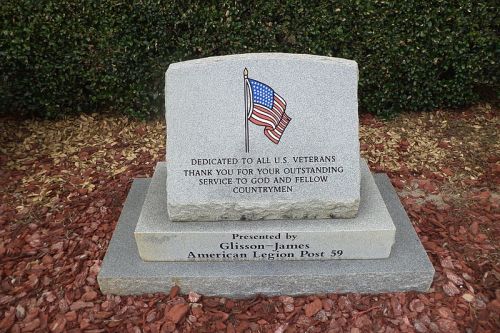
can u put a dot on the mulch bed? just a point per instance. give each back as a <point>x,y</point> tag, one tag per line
<point>64,183</point>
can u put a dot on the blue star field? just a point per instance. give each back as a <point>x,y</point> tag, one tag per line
<point>262,93</point>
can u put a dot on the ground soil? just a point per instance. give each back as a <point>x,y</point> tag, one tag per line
<point>64,183</point>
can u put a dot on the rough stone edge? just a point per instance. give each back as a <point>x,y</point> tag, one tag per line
<point>266,285</point>
<point>214,211</point>
<point>111,282</point>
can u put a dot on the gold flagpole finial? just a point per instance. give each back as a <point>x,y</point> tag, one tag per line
<point>245,72</point>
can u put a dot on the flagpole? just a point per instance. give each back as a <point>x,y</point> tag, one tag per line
<point>245,78</point>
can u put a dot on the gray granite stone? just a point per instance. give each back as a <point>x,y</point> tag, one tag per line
<point>210,174</point>
<point>369,235</point>
<point>123,272</point>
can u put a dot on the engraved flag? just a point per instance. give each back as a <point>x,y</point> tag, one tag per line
<point>267,108</point>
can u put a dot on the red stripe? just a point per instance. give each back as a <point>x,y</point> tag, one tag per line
<point>280,113</point>
<point>281,127</point>
<point>271,138</point>
<point>284,121</point>
<point>278,108</point>
<point>257,122</point>
<point>265,116</point>
<point>277,115</point>
<point>279,102</point>
<point>268,134</point>
<point>276,134</point>
<point>281,99</point>
<point>268,113</point>
<point>261,107</point>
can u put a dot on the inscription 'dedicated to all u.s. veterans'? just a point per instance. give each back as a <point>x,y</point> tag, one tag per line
<point>281,245</point>
<point>247,175</point>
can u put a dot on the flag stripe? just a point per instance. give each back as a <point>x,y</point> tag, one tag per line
<point>266,115</point>
<point>271,137</point>
<point>275,135</point>
<point>270,121</point>
<point>261,121</point>
<point>257,122</point>
<point>270,113</point>
<point>280,101</point>
<point>273,110</point>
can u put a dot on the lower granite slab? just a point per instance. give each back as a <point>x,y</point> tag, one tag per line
<point>369,235</point>
<point>124,273</point>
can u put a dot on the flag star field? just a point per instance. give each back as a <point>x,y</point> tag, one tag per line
<point>262,93</point>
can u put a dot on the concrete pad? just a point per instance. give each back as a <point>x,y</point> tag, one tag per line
<point>123,272</point>
<point>369,235</point>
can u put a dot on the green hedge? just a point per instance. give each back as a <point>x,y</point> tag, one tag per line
<point>59,57</point>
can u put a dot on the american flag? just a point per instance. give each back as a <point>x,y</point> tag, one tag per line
<point>267,109</point>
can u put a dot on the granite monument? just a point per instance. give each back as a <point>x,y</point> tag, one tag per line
<point>263,190</point>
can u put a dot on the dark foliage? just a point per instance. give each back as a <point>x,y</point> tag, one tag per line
<point>60,57</point>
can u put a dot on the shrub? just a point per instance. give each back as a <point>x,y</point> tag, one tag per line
<point>60,57</point>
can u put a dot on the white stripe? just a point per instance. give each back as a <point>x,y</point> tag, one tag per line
<point>279,111</point>
<point>264,107</point>
<point>270,111</point>
<point>284,122</point>
<point>269,114</point>
<point>277,117</point>
<point>271,134</point>
<point>281,107</point>
<point>262,120</point>
<point>275,122</point>
<point>277,106</point>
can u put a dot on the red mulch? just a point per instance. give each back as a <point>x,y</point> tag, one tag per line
<point>64,183</point>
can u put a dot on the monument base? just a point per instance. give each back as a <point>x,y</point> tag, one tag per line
<point>370,235</point>
<point>407,268</point>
